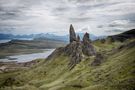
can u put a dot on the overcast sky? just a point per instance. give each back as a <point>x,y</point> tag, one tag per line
<point>99,17</point>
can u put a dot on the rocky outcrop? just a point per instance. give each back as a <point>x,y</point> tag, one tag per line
<point>86,38</point>
<point>98,59</point>
<point>76,49</point>
<point>72,34</point>
<point>88,48</point>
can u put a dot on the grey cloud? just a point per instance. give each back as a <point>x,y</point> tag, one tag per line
<point>7,13</point>
<point>93,6</point>
<point>129,16</point>
<point>100,26</point>
<point>61,9</point>
<point>115,25</point>
<point>84,29</point>
<point>114,31</point>
<point>81,1</point>
<point>79,19</point>
<point>43,14</point>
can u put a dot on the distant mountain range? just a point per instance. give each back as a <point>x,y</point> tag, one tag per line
<point>45,36</point>
<point>11,36</point>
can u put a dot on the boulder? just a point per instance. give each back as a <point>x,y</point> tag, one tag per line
<point>98,59</point>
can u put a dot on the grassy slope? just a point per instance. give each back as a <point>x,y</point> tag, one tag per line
<point>115,73</point>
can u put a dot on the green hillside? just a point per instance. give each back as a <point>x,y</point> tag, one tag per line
<point>116,72</point>
<point>81,65</point>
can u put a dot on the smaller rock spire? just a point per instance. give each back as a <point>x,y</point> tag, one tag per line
<point>86,38</point>
<point>72,34</point>
<point>88,48</point>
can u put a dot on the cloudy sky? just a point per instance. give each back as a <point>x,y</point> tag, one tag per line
<point>99,17</point>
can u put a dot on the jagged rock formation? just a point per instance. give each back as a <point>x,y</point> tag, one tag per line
<point>72,34</point>
<point>86,38</point>
<point>76,49</point>
<point>88,49</point>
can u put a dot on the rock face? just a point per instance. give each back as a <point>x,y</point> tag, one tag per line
<point>72,34</point>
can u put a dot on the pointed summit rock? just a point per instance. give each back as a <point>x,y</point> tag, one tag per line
<point>72,34</point>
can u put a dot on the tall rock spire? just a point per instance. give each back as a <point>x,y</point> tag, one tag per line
<point>72,34</point>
